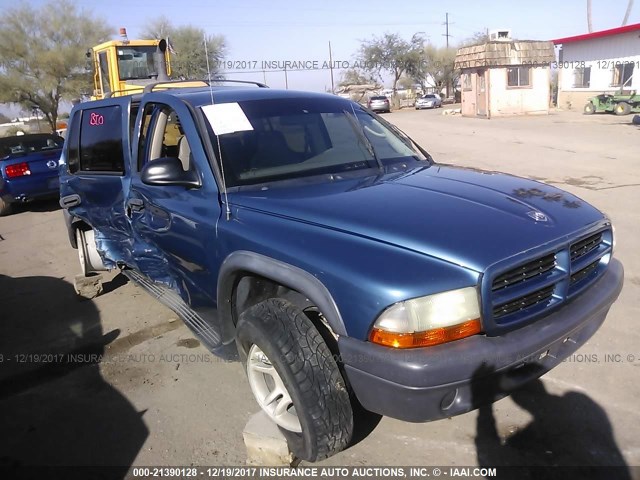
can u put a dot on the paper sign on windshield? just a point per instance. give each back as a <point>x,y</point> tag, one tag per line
<point>226,118</point>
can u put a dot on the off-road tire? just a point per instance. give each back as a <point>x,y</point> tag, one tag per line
<point>309,371</point>
<point>589,108</point>
<point>622,108</point>
<point>5,207</point>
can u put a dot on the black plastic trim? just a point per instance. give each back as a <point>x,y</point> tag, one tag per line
<point>287,275</point>
<point>412,384</point>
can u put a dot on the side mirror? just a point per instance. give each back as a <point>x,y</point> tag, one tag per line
<point>168,171</point>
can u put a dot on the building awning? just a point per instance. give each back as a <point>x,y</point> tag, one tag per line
<point>600,34</point>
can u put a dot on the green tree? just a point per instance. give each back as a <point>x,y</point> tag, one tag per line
<point>354,76</point>
<point>435,68</point>
<point>42,55</point>
<point>406,82</point>
<point>392,54</point>
<point>188,60</point>
<point>477,38</point>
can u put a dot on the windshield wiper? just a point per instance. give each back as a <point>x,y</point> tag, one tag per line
<point>362,136</point>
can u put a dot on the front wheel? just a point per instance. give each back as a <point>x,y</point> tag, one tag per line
<point>589,108</point>
<point>295,379</point>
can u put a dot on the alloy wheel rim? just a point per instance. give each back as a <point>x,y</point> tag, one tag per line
<point>270,392</point>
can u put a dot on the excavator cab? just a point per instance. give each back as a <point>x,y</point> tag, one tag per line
<point>124,67</point>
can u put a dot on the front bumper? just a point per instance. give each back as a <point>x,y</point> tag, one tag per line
<point>437,382</point>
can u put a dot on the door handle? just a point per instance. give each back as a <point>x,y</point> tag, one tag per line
<point>69,201</point>
<point>134,205</point>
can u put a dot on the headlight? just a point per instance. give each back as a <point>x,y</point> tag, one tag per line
<point>431,320</point>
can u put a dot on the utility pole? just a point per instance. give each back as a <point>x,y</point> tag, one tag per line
<point>286,80</point>
<point>446,22</point>
<point>446,34</point>
<point>331,68</point>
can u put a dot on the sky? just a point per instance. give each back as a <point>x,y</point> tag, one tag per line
<point>287,30</point>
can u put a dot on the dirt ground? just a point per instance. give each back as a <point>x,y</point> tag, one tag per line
<point>141,390</point>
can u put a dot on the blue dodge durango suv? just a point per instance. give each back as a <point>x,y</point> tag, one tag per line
<point>343,263</point>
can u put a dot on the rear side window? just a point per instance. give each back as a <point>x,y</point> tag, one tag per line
<point>101,140</point>
<point>73,153</point>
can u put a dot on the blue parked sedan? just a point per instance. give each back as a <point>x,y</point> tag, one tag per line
<point>28,168</point>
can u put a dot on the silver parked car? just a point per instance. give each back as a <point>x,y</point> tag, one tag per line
<point>430,100</point>
<point>379,104</point>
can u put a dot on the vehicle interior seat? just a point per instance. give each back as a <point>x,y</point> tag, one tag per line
<point>273,151</point>
<point>237,150</point>
<point>184,153</point>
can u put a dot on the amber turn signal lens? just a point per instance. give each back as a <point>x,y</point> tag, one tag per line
<point>428,338</point>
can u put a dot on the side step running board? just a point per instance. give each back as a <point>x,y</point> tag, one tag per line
<point>209,335</point>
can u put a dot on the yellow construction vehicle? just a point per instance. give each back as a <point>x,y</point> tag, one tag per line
<point>124,67</point>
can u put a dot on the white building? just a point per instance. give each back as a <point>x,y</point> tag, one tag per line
<point>505,77</point>
<point>598,62</point>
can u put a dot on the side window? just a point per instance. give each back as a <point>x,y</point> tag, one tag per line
<point>101,140</point>
<point>73,152</point>
<point>104,72</point>
<point>622,74</point>
<point>168,138</point>
<point>519,77</point>
<point>143,151</point>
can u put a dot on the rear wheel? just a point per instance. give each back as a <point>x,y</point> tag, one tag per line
<point>622,108</point>
<point>589,108</point>
<point>5,207</point>
<point>295,379</point>
<point>90,260</point>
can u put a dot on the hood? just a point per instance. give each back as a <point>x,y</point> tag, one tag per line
<point>465,216</point>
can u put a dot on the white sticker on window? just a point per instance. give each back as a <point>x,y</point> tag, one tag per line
<point>226,118</point>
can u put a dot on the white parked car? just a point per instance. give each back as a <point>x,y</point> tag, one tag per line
<point>430,100</point>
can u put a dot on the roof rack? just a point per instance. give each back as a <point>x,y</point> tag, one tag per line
<point>151,86</point>
<point>258,84</point>
<point>124,93</point>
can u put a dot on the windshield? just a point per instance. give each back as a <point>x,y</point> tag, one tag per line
<point>24,144</point>
<point>136,63</point>
<point>302,137</point>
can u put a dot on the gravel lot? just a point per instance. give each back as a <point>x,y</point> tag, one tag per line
<point>159,398</point>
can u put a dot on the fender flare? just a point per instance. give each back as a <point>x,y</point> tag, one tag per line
<point>243,261</point>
